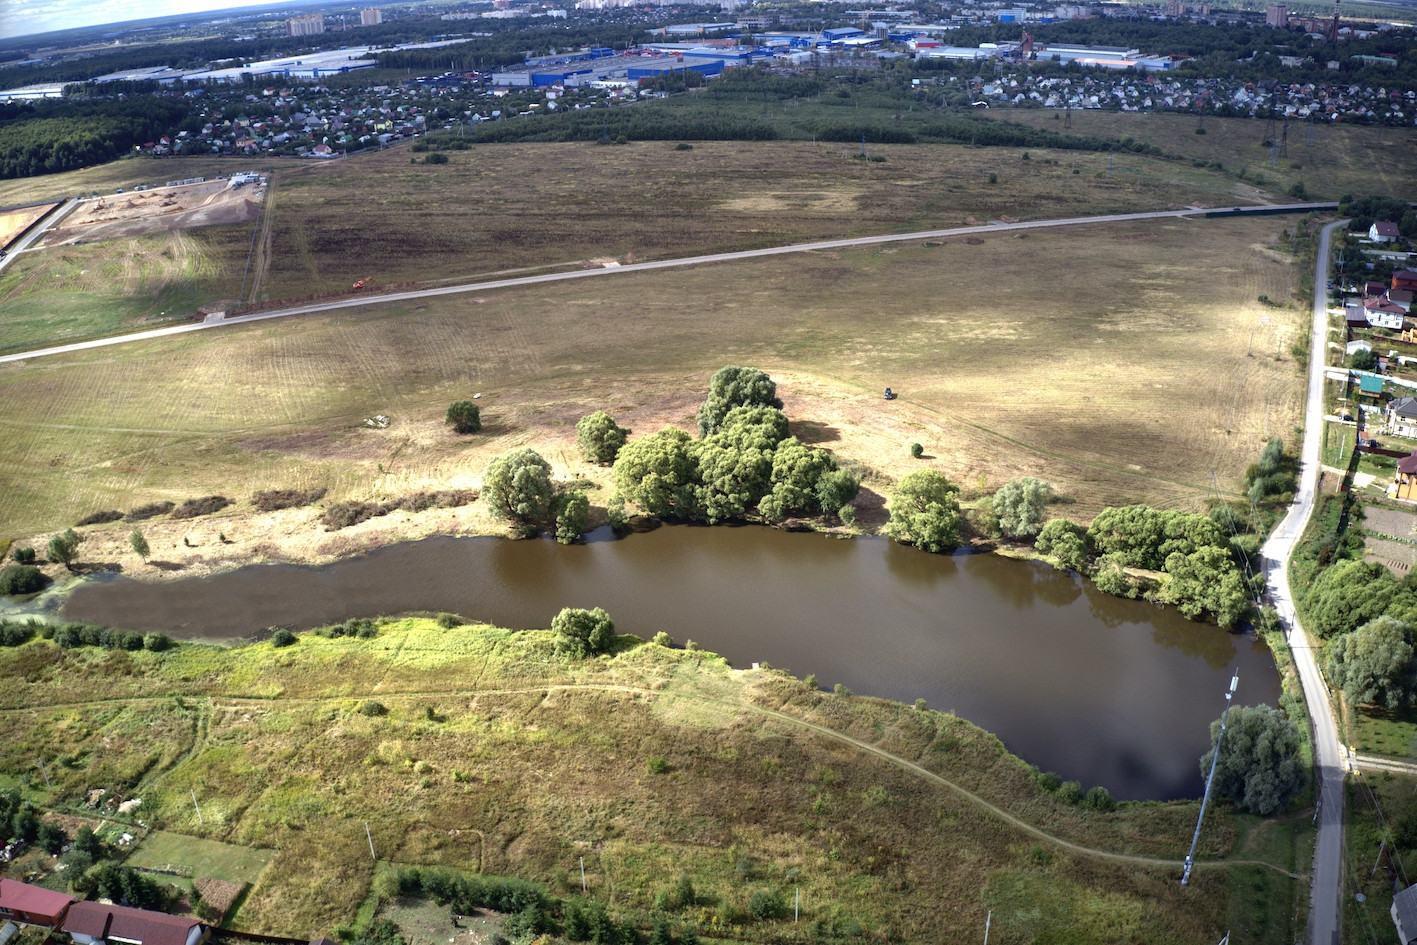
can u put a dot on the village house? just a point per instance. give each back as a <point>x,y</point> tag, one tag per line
<point>1404,279</point>
<point>1383,231</point>
<point>32,905</point>
<point>1402,417</point>
<point>1404,486</point>
<point>93,923</point>
<point>1383,314</point>
<point>1355,317</point>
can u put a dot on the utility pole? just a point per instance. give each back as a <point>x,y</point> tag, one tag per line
<point>370,837</point>
<point>40,762</point>
<point>197,806</point>
<point>987,919</point>
<point>582,876</point>
<point>1191,857</point>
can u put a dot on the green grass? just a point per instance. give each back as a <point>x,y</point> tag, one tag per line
<point>1338,444</point>
<point>1376,804</point>
<point>530,764</point>
<point>204,858</point>
<point>1377,732</point>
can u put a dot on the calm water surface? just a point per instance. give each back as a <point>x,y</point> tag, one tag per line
<point>1101,690</point>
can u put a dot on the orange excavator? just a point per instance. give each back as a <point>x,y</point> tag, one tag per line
<point>361,283</point>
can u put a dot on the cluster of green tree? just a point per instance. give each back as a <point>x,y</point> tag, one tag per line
<point>1350,593</point>
<point>582,633</point>
<point>14,633</point>
<point>18,820</point>
<point>1260,768</point>
<point>1201,564</point>
<point>1070,792</point>
<point>531,912</point>
<point>519,490</point>
<point>1274,477</point>
<point>126,886</point>
<point>362,627</point>
<point>16,579</point>
<point>744,460</point>
<point>1363,212</point>
<point>75,634</point>
<point>465,894</point>
<point>61,135</point>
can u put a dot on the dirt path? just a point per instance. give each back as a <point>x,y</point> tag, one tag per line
<point>261,264</point>
<point>773,714</point>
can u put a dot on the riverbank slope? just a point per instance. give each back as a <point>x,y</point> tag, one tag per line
<point>478,748</point>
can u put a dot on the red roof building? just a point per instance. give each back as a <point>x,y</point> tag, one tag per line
<point>32,905</point>
<point>92,923</point>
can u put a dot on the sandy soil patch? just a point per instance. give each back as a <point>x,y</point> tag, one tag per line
<point>15,222</point>
<point>162,210</point>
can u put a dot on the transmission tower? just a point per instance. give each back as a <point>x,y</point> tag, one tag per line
<point>1284,141</point>
<point>1269,127</point>
<point>1215,756</point>
<point>1067,112</point>
<point>1309,140</point>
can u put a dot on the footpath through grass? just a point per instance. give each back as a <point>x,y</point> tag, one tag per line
<point>475,748</point>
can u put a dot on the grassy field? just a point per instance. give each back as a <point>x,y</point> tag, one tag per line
<point>496,757</point>
<point>79,291</point>
<point>1336,160</point>
<point>1380,809</point>
<point>204,858</point>
<point>1095,358</point>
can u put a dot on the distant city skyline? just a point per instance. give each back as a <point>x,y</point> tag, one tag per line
<point>26,17</point>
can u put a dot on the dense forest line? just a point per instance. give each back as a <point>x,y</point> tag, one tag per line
<point>49,137</point>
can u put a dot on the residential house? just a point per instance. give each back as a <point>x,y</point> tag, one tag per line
<point>1355,317</point>
<point>1402,421</point>
<point>1404,279</point>
<point>1383,231</point>
<point>1404,486</point>
<point>1370,385</point>
<point>1372,289</point>
<point>32,905</point>
<point>93,923</point>
<point>1384,314</point>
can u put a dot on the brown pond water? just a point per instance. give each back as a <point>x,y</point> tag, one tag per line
<point>1101,690</point>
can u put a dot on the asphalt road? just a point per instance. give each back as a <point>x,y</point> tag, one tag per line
<point>28,240</point>
<point>354,302</point>
<point>1330,756</point>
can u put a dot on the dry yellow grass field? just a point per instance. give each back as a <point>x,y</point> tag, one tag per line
<point>1121,362</point>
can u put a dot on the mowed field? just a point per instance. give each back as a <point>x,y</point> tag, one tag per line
<point>1122,362</point>
<point>1331,159</point>
<point>527,207</point>
<point>493,755</point>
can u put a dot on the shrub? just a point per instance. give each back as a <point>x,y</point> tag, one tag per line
<point>372,709</point>
<point>916,450</point>
<point>148,511</point>
<point>572,517</point>
<point>464,415</point>
<point>599,437</point>
<point>206,505</point>
<point>662,639</point>
<point>99,518</point>
<point>449,621</point>
<point>765,904</point>
<point>15,634</point>
<point>24,555</point>
<point>22,579</point>
<point>157,642</point>
<point>657,766</point>
<point>51,837</point>
<point>1099,798</point>
<point>582,633</point>
<point>273,500</point>
<point>1069,792</point>
<point>282,637</point>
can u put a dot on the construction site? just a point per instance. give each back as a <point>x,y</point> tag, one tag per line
<point>166,209</point>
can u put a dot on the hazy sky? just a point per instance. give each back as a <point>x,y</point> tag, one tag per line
<point>22,17</point>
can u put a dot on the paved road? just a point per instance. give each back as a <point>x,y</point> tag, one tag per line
<point>1329,755</point>
<point>48,221</point>
<point>640,267</point>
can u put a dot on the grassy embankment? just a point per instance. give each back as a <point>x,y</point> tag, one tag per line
<point>496,757</point>
<point>1094,358</point>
